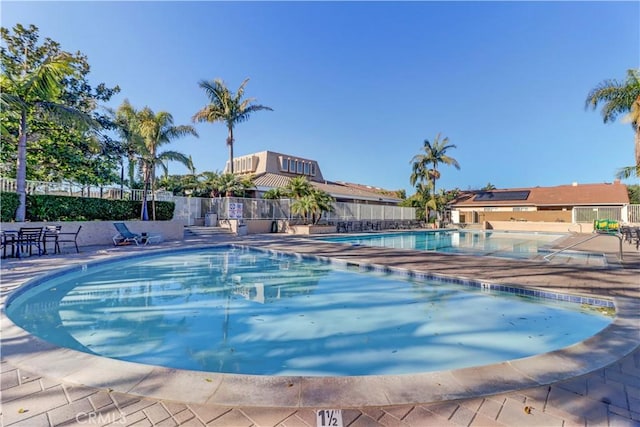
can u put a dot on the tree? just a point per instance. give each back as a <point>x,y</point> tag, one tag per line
<point>157,130</point>
<point>61,126</point>
<point>425,166</point>
<point>298,187</point>
<point>309,202</point>
<point>226,107</point>
<point>125,120</point>
<point>620,98</point>
<point>33,88</point>
<point>275,194</point>
<point>488,187</point>
<point>227,184</point>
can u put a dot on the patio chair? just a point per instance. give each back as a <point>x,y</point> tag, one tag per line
<point>125,236</point>
<point>50,235</point>
<point>71,237</point>
<point>28,239</point>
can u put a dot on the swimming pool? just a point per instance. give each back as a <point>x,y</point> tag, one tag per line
<point>506,244</point>
<point>237,310</point>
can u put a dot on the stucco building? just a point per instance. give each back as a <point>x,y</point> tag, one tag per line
<point>274,170</point>
<point>563,203</point>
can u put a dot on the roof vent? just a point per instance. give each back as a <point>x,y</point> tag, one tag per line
<point>574,184</point>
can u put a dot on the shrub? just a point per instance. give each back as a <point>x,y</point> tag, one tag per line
<point>8,206</point>
<point>65,208</point>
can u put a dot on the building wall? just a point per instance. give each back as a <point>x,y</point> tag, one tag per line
<point>539,216</point>
<point>549,227</point>
<point>102,232</point>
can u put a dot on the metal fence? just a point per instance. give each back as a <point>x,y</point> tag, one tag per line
<point>627,214</point>
<point>78,190</point>
<point>192,210</point>
<point>633,214</point>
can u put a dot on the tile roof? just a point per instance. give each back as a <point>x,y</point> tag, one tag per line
<point>336,189</point>
<point>561,195</point>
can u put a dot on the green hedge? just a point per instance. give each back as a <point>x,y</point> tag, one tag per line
<point>65,208</point>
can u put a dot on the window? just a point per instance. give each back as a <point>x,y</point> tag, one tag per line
<point>284,164</point>
<point>313,169</point>
<point>292,165</point>
<point>306,168</point>
<point>299,166</point>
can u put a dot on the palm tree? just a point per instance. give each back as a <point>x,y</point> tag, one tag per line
<point>232,185</point>
<point>620,98</point>
<point>36,91</point>
<point>208,183</point>
<point>226,107</point>
<point>425,166</point>
<point>275,194</point>
<point>156,131</point>
<point>126,121</point>
<point>303,206</point>
<point>322,202</point>
<point>298,187</point>
<point>308,200</point>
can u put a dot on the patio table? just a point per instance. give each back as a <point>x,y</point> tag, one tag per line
<point>10,237</point>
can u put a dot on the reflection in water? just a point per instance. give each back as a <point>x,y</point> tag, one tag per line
<point>243,311</point>
<point>505,244</point>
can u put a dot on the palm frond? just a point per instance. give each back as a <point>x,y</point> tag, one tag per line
<point>628,172</point>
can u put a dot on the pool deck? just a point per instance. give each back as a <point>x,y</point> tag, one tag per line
<point>596,382</point>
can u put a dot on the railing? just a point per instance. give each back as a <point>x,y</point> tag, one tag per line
<point>78,190</point>
<point>190,209</point>
<point>633,214</point>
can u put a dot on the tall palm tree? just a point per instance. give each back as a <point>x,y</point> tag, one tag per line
<point>620,98</point>
<point>226,107</point>
<point>425,166</point>
<point>126,122</point>
<point>156,131</point>
<point>36,91</point>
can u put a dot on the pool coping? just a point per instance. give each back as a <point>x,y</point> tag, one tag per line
<point>608,346</point>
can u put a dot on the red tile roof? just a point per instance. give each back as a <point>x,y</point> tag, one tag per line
<point>561,195</point>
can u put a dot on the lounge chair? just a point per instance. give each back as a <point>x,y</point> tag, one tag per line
<point>125,236</point>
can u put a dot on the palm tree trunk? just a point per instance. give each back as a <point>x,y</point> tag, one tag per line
<point>145,187</point>
<point>153,193</point>
<point>637,145</point>
<point>21,169</point>
<point>132,170</point>
<point>122,178</point>
<point>230,144</point>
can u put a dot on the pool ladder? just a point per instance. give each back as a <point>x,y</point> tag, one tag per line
<point>597,234</point>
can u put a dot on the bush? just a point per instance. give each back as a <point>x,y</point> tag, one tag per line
<point>64,208</point>
<point>8,206</point>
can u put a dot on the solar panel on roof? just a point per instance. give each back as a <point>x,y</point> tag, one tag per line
<point>498,196</point>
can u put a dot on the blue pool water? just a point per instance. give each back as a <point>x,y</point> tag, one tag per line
<point>236,310</point>
<point>491,243</point>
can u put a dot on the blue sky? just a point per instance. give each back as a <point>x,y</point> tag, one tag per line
<point>358,86</point>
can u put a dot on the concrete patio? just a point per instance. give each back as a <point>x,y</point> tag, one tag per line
<point>597,384</point>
